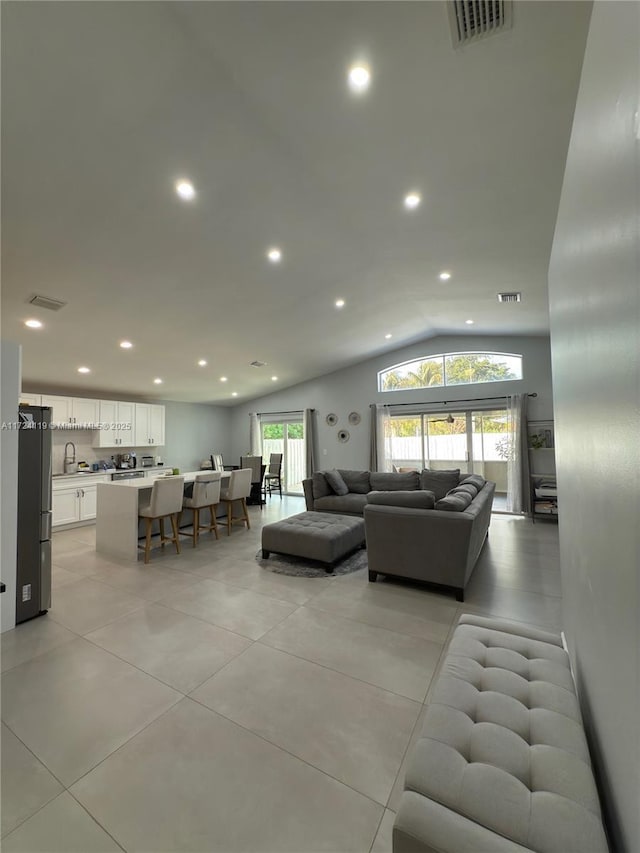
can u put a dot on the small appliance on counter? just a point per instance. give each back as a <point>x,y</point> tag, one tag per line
<point>147,461</point>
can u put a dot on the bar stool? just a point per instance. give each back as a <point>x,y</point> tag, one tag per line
<point>238,489</point>
<point>166,502</point>
<point>206,494</point>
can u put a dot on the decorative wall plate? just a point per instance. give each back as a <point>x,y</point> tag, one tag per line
<point>343,435</point>
<point>331,419</point>
<point>354,418</point>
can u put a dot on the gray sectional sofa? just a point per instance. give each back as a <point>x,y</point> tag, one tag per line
<point>427,526</point>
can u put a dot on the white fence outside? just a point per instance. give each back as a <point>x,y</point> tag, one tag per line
<point>293,469</point>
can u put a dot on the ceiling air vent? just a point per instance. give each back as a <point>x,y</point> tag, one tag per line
<point>46,302</point>
<point>509,297</point>
<point>258,363</point>
<point>472,20</point>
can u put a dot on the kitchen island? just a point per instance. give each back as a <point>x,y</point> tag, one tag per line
<point>117,513</point>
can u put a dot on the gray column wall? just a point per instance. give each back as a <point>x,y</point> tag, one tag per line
<point>594,288</point>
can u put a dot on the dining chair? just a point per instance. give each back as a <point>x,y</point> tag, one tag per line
<point>166,502</point>
<point>238,490</point>
<point>273,477</point>
<point>205,495</point>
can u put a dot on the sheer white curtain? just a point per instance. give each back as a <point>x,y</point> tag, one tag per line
<point>518,496</point>
<point>255,438</point>
<point>381,448</point>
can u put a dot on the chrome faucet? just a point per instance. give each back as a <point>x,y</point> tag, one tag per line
<point>69,461</point>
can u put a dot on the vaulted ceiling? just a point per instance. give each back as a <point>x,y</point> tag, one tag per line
<point>106,105</point>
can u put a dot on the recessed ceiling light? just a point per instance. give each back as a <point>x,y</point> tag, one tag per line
<point>274,378</point>
<point>444,276</point>
<point>223,379</point>
<point>412,200</point>
<point>234,393</point>
<point>274,255</point>
<point>33,324</point>
<point>388,336</point>
<point>359,78</point>
<point>339,303</point>
<point>202,363</point>
<point>157,381</point>
<point>469,322</point>
<point>185,190</point>
<point>126,344</point>
<point>84,370</point>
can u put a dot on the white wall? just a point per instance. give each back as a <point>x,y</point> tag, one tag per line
<point>193,432</point>
<point>10,389</point>
<point>595,321</point>
<point>354,388</point>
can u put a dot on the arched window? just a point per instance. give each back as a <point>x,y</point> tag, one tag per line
<point>454,368</point>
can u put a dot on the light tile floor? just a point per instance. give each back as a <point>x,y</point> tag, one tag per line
<point>201,703</point>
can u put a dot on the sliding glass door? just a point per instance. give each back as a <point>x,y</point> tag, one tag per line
<point>286,436</point>
<point>471,441</point>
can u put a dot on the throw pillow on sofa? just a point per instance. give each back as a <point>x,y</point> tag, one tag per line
<point>334,478</point>
<point>416,499</point>
<point>474,479</point>
<point>455,503</point>
<point>469,488</point>
<point>386,481</point>
<point>439,482</point>
<point>319,486</point>
<point>357,481</point>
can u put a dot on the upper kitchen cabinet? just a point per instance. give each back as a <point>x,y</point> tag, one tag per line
<point>149,425</point>
<point>117,424</point>
<point>71,410</point>
<point>31,399</point>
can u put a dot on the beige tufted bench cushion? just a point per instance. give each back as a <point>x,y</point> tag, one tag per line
<point>502,764</point>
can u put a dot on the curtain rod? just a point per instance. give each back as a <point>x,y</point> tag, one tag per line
<point>292,412</point>
<point>448,402</point>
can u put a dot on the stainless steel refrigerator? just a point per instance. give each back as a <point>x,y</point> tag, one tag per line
<point>33,588</point>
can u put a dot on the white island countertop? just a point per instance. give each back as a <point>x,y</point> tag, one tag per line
<point>147,482</point>
<point>117,512</point>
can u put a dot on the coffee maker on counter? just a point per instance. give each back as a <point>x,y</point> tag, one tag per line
<point>126,460</point>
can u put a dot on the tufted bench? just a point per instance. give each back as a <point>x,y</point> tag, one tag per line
<point>322,536</point>
<point>502,764</point>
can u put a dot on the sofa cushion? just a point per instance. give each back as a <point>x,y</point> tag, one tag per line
<point>416,498</point>
<point>474,479</point>
<point>347,504</point>
<point>319,485</point>
<point>357,481</point>
<point>455,503</point>
<point>439,482</point>
<point>338,485</point>
<point>469,488</point>
<point>384,481</point>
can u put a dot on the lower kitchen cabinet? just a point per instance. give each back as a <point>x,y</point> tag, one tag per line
<point>74,503</point>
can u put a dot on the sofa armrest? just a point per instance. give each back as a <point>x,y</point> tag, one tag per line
<point>307,486</point>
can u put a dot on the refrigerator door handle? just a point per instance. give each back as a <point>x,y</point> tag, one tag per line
<point>45,526</point>
<point>45,576</point>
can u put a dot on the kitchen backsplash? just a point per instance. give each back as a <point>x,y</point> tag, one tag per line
<point>82,439</point>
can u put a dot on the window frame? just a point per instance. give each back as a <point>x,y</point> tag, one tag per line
<point>443,358</point>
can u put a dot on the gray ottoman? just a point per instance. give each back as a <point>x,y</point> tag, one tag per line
<point>322,536</point>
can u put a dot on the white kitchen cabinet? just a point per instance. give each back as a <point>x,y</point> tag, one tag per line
<point>84,410</point>
<point>74,499</point>
<point>61,414</point>
<point>65,505</point>
<point>31,399</point>
<point>71,410</point>
<point>117,420</point>
<point>149,424</point>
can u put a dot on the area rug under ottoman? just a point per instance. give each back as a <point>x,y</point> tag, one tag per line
<point>300,567</point>
<point>321,536</point>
